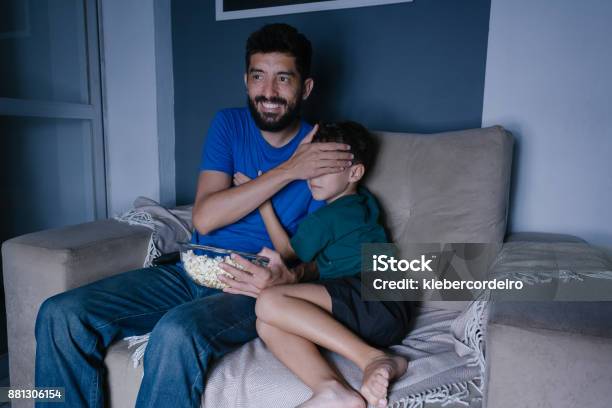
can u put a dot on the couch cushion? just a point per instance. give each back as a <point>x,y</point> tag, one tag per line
<point>446,187</point>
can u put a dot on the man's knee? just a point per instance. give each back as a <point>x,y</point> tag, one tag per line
<point>177,333</point>
<point>58,312</point>
<point>171,329</point>
<point>176,339</point>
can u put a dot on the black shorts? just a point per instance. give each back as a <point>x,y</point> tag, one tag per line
<point>380,324</point>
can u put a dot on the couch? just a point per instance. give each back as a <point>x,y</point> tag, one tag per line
<point>447,187</point>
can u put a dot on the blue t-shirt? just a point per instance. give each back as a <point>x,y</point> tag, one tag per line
<point>235,144</point>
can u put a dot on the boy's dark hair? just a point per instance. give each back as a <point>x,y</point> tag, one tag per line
<point>353,134</point>
<point>281,38</point>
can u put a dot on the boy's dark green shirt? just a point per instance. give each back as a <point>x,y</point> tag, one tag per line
<point>333,234</point>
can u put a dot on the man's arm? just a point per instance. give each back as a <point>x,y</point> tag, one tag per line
<point>276,231</point>
<point>217,205</point>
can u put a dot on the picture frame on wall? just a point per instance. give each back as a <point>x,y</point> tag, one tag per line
<point>236,9</point>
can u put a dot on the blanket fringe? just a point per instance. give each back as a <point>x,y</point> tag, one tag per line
<point>453,393</point>
<point>474,331</point>
<point>141,342</point>
<point>143,219</point>
<point>458,392</point>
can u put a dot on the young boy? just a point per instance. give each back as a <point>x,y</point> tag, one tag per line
<point>293,319</point>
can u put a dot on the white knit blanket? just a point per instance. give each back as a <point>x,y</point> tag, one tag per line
<point>442,369</point>
<point>168,226</point>
<point>444,349</point>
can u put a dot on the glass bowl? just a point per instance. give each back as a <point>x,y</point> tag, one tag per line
<point>201,262</point>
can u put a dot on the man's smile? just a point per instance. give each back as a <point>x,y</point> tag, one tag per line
<point>270,106</point>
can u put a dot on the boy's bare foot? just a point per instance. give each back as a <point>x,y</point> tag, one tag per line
<point>377,375</point>
<point>333,394</point>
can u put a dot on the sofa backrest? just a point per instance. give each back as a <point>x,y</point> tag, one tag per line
<point>446,187</point>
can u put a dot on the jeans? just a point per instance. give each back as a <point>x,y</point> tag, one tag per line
<point>190,325</point>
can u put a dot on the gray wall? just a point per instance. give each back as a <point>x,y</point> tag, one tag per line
<point>406,67</point>
<point>548,81</point>
<point>138,126</point>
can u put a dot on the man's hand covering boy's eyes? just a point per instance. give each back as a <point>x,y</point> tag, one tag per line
<point>312,160</point>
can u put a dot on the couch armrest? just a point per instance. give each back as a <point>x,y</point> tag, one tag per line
<point>535,357</point>
<point>549,354</point>
<point>42,264</point>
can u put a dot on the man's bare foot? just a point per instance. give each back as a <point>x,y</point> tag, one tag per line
<point>377,375</point>
<point>333,394</point>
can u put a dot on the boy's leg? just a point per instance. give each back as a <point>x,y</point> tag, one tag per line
<point>304,359</point>
<point>305,310</point>
<point>74,328</point>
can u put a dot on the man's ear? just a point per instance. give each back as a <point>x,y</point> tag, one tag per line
<point>308,85</point>
<point>357,172</point>
<point>245,79</point>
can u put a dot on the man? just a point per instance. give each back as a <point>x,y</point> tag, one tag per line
<point>192,325</point>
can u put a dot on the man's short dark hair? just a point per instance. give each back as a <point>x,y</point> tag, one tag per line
<point>353,134</point>
<point>281,38</point>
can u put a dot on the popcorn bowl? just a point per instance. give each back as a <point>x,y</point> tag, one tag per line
<point>201,262</point>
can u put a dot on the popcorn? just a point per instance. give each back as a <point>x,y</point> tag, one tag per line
<point>204,270</point>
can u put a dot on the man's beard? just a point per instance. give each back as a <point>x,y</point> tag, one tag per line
<point>267,124</point>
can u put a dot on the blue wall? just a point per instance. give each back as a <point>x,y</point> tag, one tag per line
<point>407,67</point>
